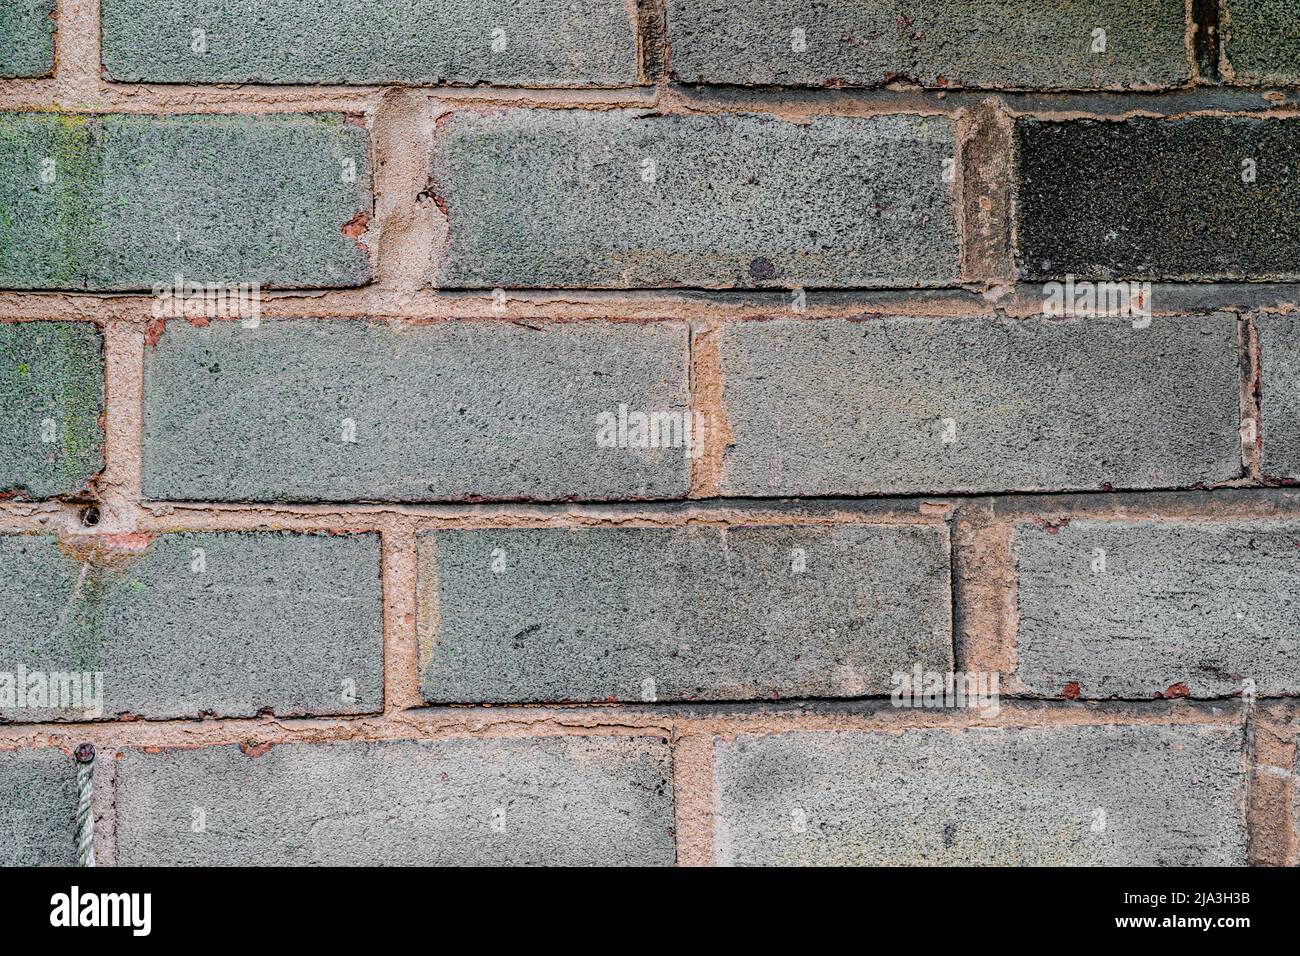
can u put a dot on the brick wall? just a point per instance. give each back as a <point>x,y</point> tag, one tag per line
<point>843,258</point>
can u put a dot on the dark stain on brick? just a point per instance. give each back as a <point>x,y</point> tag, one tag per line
<point>762,269</point>
<point>1052,525</point>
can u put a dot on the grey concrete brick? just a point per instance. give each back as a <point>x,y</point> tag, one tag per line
<point>26,38</point>
<point>569,198</point>
<point>1279,393</point>
<point>51,398</point>
<point>830,407</point>
<point>1261,41</point>
<point>680,614</point>
<point>1148,794</point>
<point>137,200</point>
<point>937,43</point>
<point>38,808</point>
<point>522,801</point>
<point>1158,199</point>
<point>458,410</point>
<point>1295,794</point>
<point>222,623</point>
<point>1203,605</point>
<point>539,43</point>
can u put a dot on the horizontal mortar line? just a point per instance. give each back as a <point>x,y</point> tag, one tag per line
<point>434,308</point>
<point>380,518</point>
<point>1117,98</point>
<point>1259,501</point>
<point>817,702</point>
<point>441,721</point>
<point>757,501</point>
<point>271,295</point>
<point>671,96</point>
<point>374,303</point>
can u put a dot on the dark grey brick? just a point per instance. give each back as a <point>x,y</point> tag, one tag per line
<point>540,43</point>
<point>1261,40</point>
<point>456,410</point>
<point>1279,390</point>
<point>38,808</point>
<point>1158,199</point>
<point>539,801</point>
<point>937,43</point>
<point>567,198</point>
<point>26,38</point>
<point>1145,795</point>
<point>1205,605</point>
<point>680,614</point>
<point>137,200</point>
<point>222,623</point>
<point>51,400</point>
<point>831,407</point>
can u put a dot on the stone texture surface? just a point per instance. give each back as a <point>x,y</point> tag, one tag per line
<point>680,614</point>
<point>134,201</point>
<point>457,410</point>
<point>38,808</point>
<point>1279,390</point>
<point>227,624</point>
<point>1144,795</point>
<point>831,407</point>
<point>1197,607</point>
<point>515,42</point>
<point>937,43</point>
<point>1158,199</point>
<point>1261,40</point>
<point>540,801</point>
<point>26,38</point>
<point>620,199</point>
<point>51,398</point>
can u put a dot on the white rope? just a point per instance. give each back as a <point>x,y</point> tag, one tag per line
<point>85,814</point>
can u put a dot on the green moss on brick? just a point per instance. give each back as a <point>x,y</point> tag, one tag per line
<point>134,201</point>
<point>50,371</point>
<point>50,231</point>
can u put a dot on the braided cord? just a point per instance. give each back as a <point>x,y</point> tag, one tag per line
<point>85,815</point>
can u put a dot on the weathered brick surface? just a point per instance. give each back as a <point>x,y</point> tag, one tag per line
<point>1034,796</point>
<point>937,43</point>
<point>691,613</point>
<point>26,38</point>
<point>51,398</point>
<point>1262,40</point>
<point>1295,797</point>
<point>540,801</point>
<point>1279,389</point>
<point>38,808</point>
<point>619,199</point>
<point>1136,609</point>
<point>446,411</point>
<point>662,368</point>
<point>530,43</point>
<point>226,624</point>
<point>832,407</point>
<point>134,201</point>
<point>1119,199</point>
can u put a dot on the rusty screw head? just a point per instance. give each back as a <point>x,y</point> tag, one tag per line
<point>84,753</point>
